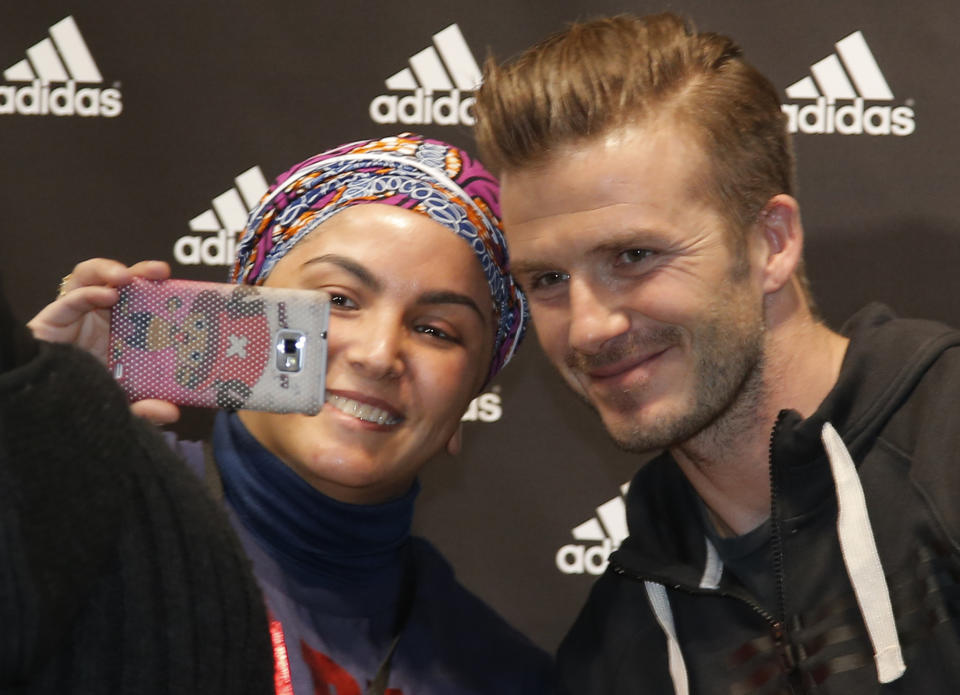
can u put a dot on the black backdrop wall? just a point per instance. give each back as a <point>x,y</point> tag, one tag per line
<point>146,130</point>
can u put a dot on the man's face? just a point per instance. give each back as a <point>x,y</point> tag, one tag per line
<point>637,295</point>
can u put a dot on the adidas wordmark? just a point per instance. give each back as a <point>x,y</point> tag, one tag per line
<point>218,227</point>
<point>604,533</point>
<point>441,80</point>
<point>841,88</point>
<point>63,59</point>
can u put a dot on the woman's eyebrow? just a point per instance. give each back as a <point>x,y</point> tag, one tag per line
<point>364,275</point>
<point>449,297</point>
<point>351,266</point>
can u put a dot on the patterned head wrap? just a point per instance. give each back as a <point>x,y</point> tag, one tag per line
<point>409,171</point>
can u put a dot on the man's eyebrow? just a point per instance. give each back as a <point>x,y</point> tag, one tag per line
<point>351,266</point>
<point>636,238</point>
<point>448,297</point>
<point>527,267</point>
<point>640,238</point>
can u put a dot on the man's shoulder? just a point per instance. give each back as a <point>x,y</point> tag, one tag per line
<point>614,639</point>
<point>876,329</point>
<point>913,361</point>
<point>889,362</point>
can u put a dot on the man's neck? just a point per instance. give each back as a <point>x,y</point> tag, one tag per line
<point>728,463</point>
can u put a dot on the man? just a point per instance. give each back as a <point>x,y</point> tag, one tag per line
<point>647,192</point>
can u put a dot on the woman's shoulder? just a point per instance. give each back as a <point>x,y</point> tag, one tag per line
<point>471,633</point>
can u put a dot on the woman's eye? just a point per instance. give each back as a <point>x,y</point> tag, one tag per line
<point>634,255</point>
<point>435,332</point>
<point>342,301</point>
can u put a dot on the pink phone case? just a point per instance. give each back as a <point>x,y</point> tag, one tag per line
<point>221,346</point>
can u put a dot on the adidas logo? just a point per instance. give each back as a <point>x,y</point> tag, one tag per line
<point>487,407</point>
<point>226,219</point>
<point>605,532</point>
<point>438,77</point>
<point>840,86</point>
<point>62,59</point>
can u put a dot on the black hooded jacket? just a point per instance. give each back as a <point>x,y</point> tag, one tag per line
<point>666,616</point>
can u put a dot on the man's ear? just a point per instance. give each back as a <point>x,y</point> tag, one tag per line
<point>455,442</point>
<point>782,234</point>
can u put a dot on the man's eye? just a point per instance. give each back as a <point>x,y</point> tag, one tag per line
<point>545,280</point>
<point>634,255</point>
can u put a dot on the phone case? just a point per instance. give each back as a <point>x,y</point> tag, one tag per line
<point>220,346</point>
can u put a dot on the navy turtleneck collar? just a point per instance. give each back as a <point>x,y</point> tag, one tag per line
<point>316,539</point>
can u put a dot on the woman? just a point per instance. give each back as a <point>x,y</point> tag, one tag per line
<point>421,319</point>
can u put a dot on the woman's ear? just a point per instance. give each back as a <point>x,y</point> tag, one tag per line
<point>782,235</point>
<point>455,444</point>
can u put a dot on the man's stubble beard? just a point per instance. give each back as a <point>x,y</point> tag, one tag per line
<point>728,384</point>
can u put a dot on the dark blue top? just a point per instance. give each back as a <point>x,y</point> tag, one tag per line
<point>339,580</point>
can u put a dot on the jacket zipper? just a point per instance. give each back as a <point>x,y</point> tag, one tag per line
<point>777,623</point>
<point>777,626</point>
<point>785,650</point>
<point>776,529</point>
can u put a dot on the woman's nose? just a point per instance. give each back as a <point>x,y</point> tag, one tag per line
<point>376,350</point>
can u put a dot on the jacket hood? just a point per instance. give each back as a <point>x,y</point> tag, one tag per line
<point>885,360</point>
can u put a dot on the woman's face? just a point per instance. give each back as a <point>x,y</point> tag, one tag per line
<point>410,342</point>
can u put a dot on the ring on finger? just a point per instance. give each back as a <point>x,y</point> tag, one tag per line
<point>62,289</point>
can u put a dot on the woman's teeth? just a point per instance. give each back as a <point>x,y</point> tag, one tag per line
<point>362,411</point>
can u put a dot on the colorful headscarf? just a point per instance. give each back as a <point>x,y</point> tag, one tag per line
<point>409,171</point>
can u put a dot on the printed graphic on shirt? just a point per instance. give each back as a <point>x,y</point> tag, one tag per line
<point>437,87</point>
<point>58,77</point>
<point>599,537</point>
<point>841,93</point>
<point>217,229</point>
<point>329,678</point>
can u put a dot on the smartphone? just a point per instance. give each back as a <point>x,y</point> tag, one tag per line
<point>218,345</point>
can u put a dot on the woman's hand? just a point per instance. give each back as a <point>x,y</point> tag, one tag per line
<point>80,315</point>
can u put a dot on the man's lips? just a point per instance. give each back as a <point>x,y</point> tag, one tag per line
<point>609,372</point>
<point>366,408</point>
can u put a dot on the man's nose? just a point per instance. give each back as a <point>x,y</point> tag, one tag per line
<point>596,316</point>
